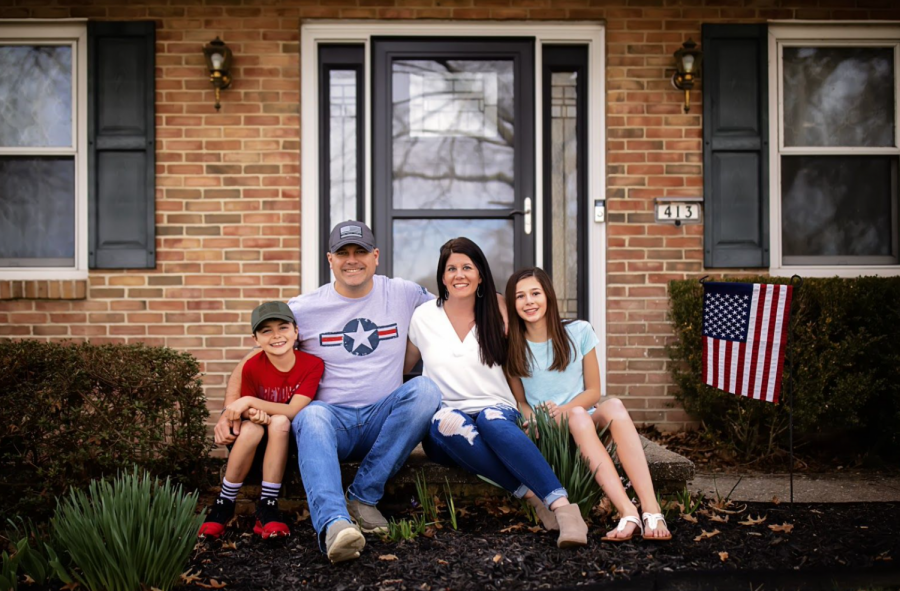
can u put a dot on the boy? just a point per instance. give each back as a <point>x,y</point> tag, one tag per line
<point>275,386</point>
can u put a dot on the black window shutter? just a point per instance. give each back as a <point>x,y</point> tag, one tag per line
<point>121,158</point>
<point>735,146</point>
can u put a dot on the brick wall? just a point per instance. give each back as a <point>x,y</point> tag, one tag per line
<point>228,198</point>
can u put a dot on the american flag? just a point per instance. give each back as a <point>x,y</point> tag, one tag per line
<point>744,337</point>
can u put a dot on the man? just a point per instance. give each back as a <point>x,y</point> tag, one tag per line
<point>363,411</point>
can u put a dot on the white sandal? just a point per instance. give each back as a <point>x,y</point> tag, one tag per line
<point>651,521</point>
<point>621,528</point>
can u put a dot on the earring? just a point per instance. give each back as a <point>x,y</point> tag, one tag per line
<point>446,294</point>
<point>478,291</point>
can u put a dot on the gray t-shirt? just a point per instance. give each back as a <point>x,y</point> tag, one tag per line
<point>361,340</point>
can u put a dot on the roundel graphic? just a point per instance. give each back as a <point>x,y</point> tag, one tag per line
<point>359,337</point>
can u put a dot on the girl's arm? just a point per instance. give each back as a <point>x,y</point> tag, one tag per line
<point>518,390</point>
<point>591,394</point>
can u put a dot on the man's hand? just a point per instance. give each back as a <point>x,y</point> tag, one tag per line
<point>235,411</point>
<point>222,431</point>
<point>260,417</point>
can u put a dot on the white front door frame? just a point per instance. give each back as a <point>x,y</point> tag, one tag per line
<point>591,34</point>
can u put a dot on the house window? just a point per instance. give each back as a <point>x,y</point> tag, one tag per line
<point>838,150</point>
<point>43,152</point>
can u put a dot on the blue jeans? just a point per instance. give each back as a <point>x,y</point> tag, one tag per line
<point>381,435</point>
<point>492,444</point>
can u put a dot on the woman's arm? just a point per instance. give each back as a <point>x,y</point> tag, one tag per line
<point>412,357</point>
<point>228,422</point>
<point>591,394</point>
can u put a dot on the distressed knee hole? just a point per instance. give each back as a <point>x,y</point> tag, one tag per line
<point>452,423</point>
<point>492,414</point>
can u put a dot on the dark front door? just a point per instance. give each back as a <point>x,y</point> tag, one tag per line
<point>453,152</point>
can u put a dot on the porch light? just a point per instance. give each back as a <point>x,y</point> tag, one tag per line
<point>218,61</point>
<point>687,69</point>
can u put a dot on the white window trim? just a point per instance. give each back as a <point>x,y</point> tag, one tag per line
<point>592,34</point>
<point>74,34</point>
<point>822,34</point>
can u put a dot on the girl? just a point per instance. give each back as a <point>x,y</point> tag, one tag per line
<point>460,339</point>
<point>557,365</point>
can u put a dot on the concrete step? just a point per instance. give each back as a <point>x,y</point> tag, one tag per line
<point>670,473</point>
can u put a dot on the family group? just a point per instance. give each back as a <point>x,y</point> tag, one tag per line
<point>328,376</point>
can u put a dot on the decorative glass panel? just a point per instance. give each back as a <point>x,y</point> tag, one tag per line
<point>417,247</point>
<point>839,209</point>
<point>35,96</point>
<point>342,143</point>
<point>839,96</point>
<point>37,211</point>
<point>453,134</point>
<point>564,190</point>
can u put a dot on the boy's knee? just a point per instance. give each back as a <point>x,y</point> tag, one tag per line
<point>251,432</point>
<point>279,425</point>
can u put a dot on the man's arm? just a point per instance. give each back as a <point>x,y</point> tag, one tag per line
<point>226,423</point>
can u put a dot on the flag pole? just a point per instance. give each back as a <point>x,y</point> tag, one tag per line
<point>791,384</point>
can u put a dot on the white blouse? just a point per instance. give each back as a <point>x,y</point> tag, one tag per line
<point>455,366</point>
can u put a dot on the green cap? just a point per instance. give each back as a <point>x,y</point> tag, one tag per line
<point>268,311</point>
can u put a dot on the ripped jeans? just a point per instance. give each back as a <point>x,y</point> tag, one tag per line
<point>492,445</point>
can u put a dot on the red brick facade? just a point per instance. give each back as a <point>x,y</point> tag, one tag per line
<point>228,198</point>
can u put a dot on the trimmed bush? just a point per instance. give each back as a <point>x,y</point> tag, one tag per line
<point>845,368</point>
<point>72,413</point>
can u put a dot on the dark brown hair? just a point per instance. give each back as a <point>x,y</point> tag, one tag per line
<point>519,357</point>
<point>488,321</point>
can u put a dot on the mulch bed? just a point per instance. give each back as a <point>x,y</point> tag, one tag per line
<point>496,548</point>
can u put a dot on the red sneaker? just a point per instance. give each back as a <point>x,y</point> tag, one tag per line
<point>220,514</point>
<point>269,523</point>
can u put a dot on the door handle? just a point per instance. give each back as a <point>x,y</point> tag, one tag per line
<point>526,212</point>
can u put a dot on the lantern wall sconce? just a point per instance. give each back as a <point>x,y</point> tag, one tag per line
<point>688,58</point>
<point>218,61</point>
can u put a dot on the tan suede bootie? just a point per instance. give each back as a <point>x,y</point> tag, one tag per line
<point>572,528</point>
<point>548,519</point>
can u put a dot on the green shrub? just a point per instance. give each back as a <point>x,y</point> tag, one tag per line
<point>559,449</point>
<point>71,413</point>
<point>130,534</point>
<point>845,378</point>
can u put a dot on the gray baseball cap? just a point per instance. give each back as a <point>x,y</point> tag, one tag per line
<point>270,311</point>
<point>351,233</point>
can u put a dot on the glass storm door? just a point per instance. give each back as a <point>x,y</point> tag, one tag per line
<point>453,152</point>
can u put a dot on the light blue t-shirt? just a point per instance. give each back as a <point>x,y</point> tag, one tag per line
<point>559,386</point>
<point>361,340</point>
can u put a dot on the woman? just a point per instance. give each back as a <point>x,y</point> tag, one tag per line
<point>460,339</point>
<point>558,368</point>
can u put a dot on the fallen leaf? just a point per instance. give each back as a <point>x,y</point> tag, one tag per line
<point>498,558</point>
<point>718,509</point>
<point>535,529</point>
<point>302,516</point>
<point>718,519</point>
<point>216,584</point>
<point>504,509</point>
<point>29,580</point>
<point>189,577</point>
<point>388,557</point>
<point>429,532</point>
<point>70,586</point>
<point>231,545</point>
<point>515,527</point>
<point>753,521</point>
<point>689,518</point>
<point>776,500</point>
<point>784,527</point>
<point>723,556</point>
<point>462,511</point>
<point>443,562</point>
<point>705,535</point>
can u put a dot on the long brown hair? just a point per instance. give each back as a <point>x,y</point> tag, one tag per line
<point>519,356</point>
<point>488,321</point>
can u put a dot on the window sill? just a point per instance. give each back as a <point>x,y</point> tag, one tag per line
<point>837,271</point>
<point>43,289</point>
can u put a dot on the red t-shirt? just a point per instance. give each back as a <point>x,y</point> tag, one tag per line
<point>264,381</point>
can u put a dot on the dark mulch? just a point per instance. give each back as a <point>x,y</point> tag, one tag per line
<point>830,546</point>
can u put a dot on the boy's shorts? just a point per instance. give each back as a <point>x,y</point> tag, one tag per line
<point>256,468</point>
